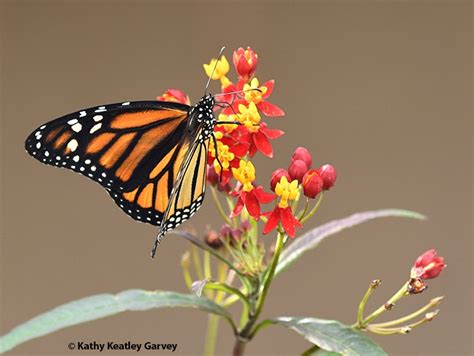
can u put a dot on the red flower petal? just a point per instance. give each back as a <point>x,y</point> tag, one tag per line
<point>263,144</point>
<point>262,196</point>
<point>252,205</point>
<point>252,150</point>
<point>269,86</point>
<point>273,220</point>
<point>240,149</point>
<point>271,133</point>
<point>270,109</point>
<point>288,222</point>
<point>239,205</point>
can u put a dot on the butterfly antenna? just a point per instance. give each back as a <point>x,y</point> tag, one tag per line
<point>239,91</point>
<point>213,70</point>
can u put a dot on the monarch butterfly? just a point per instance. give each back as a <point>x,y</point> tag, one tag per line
<point>150,156</point>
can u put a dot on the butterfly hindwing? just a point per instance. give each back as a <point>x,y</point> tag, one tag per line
<point>148,201</point>
<point>115,145</point>
<point>150,156</point>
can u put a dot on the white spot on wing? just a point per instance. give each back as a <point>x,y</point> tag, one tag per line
<point>76,127</point>
<point>72,122</point>
<point>72,145</point>
<point>95,127</point>
<point>126,103</point>
<point>82,114</point>
<point>97,118</point>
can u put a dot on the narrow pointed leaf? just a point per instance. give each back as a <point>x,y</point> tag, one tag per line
<point>332,336</point>
<point>100,306</point>
<point>312,238</point>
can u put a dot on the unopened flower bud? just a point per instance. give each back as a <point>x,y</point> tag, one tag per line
<point>428,265</point>
<point>175,95</point>
<point>245,62</point>
<point>303,154</point>
<point>225,231</point>
<point>297,170</point>
<point>236,234</point>
<point>245,226</point>
<point>328,174</point>
<point>213,239</point>
<point>312,184</point>
<point>276,176</point>
<point>212,176</point>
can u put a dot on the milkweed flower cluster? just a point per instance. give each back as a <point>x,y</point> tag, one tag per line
<point>283,204</point>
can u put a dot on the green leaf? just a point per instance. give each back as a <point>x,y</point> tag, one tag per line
<point>313,238</point>
<point>102,305</point>
<point>332,336</point>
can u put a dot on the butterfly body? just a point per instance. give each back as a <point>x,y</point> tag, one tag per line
<point>150,156</point>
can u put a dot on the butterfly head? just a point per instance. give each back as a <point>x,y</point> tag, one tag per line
<point>202,116</point>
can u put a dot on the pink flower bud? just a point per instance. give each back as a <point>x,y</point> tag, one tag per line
<point>428,265</point>
<point>312,184</point>
<point>213,239</point>
<point>245,62</point>
<point>297,170</point>
<point>303,154</point>
<point>329,175</point>
<point>276,176</point>
<point>245,226</point>
<point>225,231</point>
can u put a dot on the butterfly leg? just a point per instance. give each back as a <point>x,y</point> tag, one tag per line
<point>157,242</point>
<point>217,156</point>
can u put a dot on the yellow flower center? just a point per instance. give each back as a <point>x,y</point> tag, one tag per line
<point>252,95</point>
<point>221,69</point>
<point>245,174</point>
<point>286,191</point>
<point>223,153</point>
<point>227,118</point>
<point>249,116</point>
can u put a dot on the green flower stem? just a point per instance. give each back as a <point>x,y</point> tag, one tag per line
<point>360,312</point>
<point>305,209</point>
<point>386,332</point>
<point>395,298</point>
<point>207,271</point>
<point>403,329</point>
<point>219,207</point>
<point>244,316</point>
<point>213,320</point>
<point>263,324</point>
<point>314,210</point>
<point>229,301</point>
<point>197,262</point>
<point>185,266</point>
<point>218,286</point>
<point>211,337</point>
<point>266,286</point>
<point>433,302</point>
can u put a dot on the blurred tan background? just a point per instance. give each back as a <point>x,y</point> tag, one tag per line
<point>382,90</point>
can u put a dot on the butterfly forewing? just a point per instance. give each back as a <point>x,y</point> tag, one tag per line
<point>116,145</point>
<point>150,156</point>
